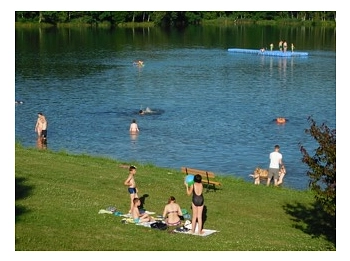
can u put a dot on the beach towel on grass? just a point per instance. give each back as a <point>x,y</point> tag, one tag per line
<point>186,229</point>
<point>131,221</point>
<point>207,232</point>
<point>129,215</point>
<point>120,214</point>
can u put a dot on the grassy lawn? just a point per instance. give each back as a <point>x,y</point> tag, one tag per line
<point>58,196</point>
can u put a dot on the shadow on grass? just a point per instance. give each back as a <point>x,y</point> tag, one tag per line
<point>21,191</point>
<point>313,221</point>
<point>143,200</point>
<point>204,215</point>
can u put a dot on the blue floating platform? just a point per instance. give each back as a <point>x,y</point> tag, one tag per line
<point>268,53</point>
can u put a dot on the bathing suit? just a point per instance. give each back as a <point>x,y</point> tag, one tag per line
<point>132,190</point>
<point>43,133</point>
<point>174,224</point>
<point>175,211</point>
<point>197,200</point>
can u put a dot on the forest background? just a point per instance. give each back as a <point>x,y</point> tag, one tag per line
<point>174,18</point>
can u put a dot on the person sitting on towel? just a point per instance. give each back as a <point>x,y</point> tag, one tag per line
<point>136,215</point>
<point>172,212</point>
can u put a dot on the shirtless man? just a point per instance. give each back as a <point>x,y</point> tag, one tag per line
<point>130,182</point>
<point>133,127</point>
<point>41,126</point>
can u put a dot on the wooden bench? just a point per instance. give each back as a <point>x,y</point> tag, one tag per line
<point>207,177</point>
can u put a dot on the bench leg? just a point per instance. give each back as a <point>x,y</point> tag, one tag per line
<point>208,188</point>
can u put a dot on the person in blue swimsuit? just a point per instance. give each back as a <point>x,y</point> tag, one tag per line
<point>196,190</point>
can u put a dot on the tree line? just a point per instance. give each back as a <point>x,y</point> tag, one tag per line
<point>171,18</point>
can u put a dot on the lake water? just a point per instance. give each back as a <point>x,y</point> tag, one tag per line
<point>214,110</point>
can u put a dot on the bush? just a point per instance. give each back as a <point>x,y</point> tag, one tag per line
<point>322,166</point>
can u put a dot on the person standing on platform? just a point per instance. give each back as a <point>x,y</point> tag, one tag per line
<point>280,45</point>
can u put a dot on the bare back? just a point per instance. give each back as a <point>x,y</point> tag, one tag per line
<point>43,123</point>
<point>172,212</point>
<point>135,212</point>
<point>198,188</point>
<point>134,128</point>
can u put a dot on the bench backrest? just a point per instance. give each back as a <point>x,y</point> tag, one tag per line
<point>190,171</point>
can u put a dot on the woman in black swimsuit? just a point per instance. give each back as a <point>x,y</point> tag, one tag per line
<point>197,202</point>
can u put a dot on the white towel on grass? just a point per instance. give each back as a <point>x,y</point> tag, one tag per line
<point>207,232</point>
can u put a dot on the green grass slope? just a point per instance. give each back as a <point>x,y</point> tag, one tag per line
<point>58,196</point>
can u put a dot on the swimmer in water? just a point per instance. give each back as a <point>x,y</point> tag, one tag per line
<point>134,129</point>
<point>147,110</point>
<point>281,120</point>
<point>138,63</point>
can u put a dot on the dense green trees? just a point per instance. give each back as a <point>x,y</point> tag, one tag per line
<point>169,18</point>
<point>322,166</point>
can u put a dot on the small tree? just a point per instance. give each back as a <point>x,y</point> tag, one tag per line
<point>322,166</point>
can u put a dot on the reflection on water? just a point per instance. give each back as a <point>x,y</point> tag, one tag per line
<point>133,137</point>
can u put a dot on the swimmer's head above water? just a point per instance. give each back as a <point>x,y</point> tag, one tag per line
<point>147,110</point>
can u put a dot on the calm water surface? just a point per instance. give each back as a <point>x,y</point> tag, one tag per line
<point>214,110</point>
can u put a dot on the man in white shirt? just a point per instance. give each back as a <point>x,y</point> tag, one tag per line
<point>275,163</point>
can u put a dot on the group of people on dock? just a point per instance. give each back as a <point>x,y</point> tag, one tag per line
<point>282,45</point>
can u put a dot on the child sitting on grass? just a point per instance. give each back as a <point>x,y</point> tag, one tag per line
<point>135,212</point>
